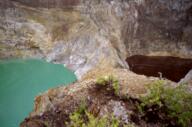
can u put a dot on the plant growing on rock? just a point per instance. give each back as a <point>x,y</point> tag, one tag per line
<point>109,81</point>
<point>176,100</point>
<point>83,118</point>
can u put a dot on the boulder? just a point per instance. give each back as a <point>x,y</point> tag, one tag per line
<point>187,78</point>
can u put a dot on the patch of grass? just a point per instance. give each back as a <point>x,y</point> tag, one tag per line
<point>115,85</point>
<point>177,101</point>
<point>154,96</point>
<point>110,81</point>
<point>83,118</point>
<point>102,81</point>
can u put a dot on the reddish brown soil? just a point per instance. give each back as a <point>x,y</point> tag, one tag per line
<point>172,68</point>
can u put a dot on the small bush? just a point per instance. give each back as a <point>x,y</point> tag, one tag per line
<point>102,81</point>
<point>154,96</point>
<point>110,81</point>
<point>83,118</point>
<point>178,101</point>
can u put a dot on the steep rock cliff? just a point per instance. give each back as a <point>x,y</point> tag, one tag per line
<point>83,34</point>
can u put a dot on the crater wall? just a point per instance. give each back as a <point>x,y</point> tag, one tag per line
<point>84,34</point>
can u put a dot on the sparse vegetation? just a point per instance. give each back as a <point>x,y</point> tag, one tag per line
<point>102,81</point>
<point>110,81</point>
<point>83,118</point>
<point>177,102</point>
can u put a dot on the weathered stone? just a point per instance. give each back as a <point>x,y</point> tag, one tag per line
<point>53,107</point>
<point>187,78</point>
<point>160,27</point>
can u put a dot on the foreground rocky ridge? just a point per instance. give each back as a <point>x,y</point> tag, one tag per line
<point>55,107</point>
<point>84,34</point>
<point>52,109</point>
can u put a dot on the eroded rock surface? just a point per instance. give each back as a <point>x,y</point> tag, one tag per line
<point>84,34</point>
<point>187,80</point>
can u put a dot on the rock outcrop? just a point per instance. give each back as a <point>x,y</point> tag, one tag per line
<point>122,100</point>
<point>84,34</point>
<point>54,107</point>
<point>187,80</point>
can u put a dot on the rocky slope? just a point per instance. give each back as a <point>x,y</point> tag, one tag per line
<point>53,108</point>
<point>84,34</point>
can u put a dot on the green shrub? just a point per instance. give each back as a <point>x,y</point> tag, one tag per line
<point>178,101</point>
<point>115,85</point>
<point>102,81</point>
<point>83,118</point>
<point>110,81</point>
<point>154,96</point>
<point>76,117</point>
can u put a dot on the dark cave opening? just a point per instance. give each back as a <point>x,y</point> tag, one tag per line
<point>169,67</point>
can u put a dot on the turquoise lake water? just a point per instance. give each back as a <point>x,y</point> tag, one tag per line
<point>21,81</point>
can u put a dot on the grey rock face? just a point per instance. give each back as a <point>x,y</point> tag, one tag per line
<point>187,78</point>
<point>84,34</point>
<point>163,28</point>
